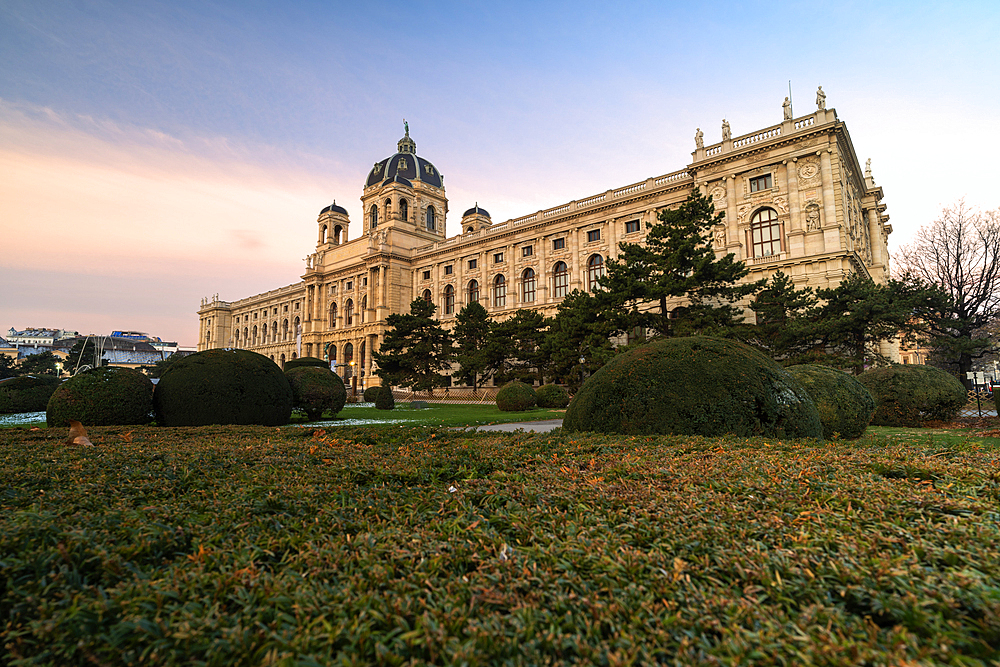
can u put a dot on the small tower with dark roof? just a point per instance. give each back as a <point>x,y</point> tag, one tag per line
<point>476,218</point>
<point>333,224</point>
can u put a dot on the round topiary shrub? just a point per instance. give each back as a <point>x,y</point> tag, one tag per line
<point>694,386</point>
<point>911,394</point>
<point>26,393</point>
<point>370,393</point>
<point>516,397</point>
<point>223,387</point>
<point>305,361</point>
<point>104,396</point>
<point>845,406</point>
<point>315,390</point>
<point>552,396</point>
<point>383,398</point>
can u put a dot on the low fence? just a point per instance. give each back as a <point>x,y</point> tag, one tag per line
<point>980,404</point>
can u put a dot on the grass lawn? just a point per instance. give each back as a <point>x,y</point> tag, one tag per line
<point>401,545</point>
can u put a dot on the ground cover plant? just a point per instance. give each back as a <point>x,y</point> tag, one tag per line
<point>255,545</point>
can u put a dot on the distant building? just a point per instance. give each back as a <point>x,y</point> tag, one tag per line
<point>36,336</point>
<point>794,197</point>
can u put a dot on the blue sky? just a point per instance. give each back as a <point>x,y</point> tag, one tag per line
<point>153,153</point>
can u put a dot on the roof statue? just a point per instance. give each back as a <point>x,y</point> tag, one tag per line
<point>727,134</point>
<point>820,98</point>
<point>786,109</point>
<point>699,138</point>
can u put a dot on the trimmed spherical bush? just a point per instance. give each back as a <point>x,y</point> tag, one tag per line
<point>305,361</point>
<point>845,405</point>
<point>316,389</point>
<point>26,393</point>
<point>694,386</point>
<point>370,394</point>
<point>384,399</point>
<point>516,397</point>
<point>552,396</point>
<point>104,396</point>
<point>223,387</point>
<point>911,394</point>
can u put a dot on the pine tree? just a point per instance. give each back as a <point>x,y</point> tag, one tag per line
<point>416,350</point>
<point>677,261</point>
<point>522,336</point>
<point>43,363</point>
<point>785,329</point>
<point>478,351</point>
<point>579,329</point>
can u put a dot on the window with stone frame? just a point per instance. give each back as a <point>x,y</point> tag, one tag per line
<point>558,244</point>
<point>560,280</point>
<point>528,284</point>
<point>593,235</point>
<point>473,292</point>
<point>631,226</point>
<point>499,292</point>
<point>765,233</point>
<point>527,251</point>
<point>760,183</point>
<point>449,300</point>
<point>595,269</point>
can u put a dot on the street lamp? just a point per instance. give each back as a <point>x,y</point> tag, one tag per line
<point>354,383</point>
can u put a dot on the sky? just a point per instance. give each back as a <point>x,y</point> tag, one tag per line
<point>154,153</point>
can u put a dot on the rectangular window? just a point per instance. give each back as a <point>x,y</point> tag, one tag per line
<point>527,250</point>
<point>364,281</point>
<point>350,285</point>
<point>498,258</point>
<point>473,263</point>
<point>448,270</point>
<point>558,244</point>
<point>631,226</point>
<point>593,235</point>
<point>427,275</point>
<point>760,183</point>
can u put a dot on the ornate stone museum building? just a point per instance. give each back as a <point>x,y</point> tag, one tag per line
<point>794,195</point>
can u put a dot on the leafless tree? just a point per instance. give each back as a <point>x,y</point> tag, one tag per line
<point>960,254</point>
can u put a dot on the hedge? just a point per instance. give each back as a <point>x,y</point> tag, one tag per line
<point>845,406</point>
<point>913,394</point>
<point>102,397</point>
<point>26,393</point>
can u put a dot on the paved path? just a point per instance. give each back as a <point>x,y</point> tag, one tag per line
<point>537,427</point>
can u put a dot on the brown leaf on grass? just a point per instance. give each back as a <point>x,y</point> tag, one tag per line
<point>77,435</point>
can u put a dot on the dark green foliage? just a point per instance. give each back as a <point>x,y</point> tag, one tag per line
<point>43,363</point>
<point>519,339</point>
<point>8,368</point>
<point>83,353</point>
<point>912,394</point>
<point>416,350</point>
<point>580,328</point>
<point>516,397</point>
<point>552,396</point>
<point>694,386</point>
<point>480,353</point>
<point>676,261</point>
<point>845,405</point>
<point>415,546</point>
<point>305,361</point>
<point>102,397</point>
<point>384,399</point>
<point>785,330</point>
<point>369,395</point>
<point>316,389</point>
<point>223,387</point>
<point>26,393</point>
<point>161,366</point>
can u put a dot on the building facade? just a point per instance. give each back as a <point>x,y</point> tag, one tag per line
<point>794,197</point>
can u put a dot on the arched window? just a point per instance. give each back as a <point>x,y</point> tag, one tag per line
<point>322,236</point>
<point>388,209</point>
<point>294,356</point>
<point>333,316</point>
<point>404,209</point>
<point>499,292</point>
<point>364,307</point>
<point>337,231</point>
<point>236,338</point>
<point>295,327</point>
<point>449,300</point>
<point>426,295</point>
<point>560,279</point>
<point>765,233</point>
<point>595,269</point>
<point>284,330</point>
<point>246,337</point>
<point>282,359</point>
<point>373,216</point>
<point>430,218</point>
<point>349,313</point>
<point>274,332</point>
<point>361,358</point>
<point>473,291</point>
<point>255,334</point>
<point>331,355</point>
<point>469,230</point>
<point>528,283</point>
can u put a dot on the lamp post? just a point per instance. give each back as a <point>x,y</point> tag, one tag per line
<point>354,384</point>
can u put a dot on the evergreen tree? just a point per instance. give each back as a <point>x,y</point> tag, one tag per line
<point>43,363</point>
<point>676,261</point>
<point>785,329</point>
<point>579,329</point>
<point>8,367</point>
<point>478,352</point>
<point>522,336</point>
<point>415,350</point>
<point>83,353</point>
<point>859,314</point>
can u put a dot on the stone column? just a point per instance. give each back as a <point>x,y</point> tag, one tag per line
<point>831,231</point>
<point>575,270</point>
<point>796,231</point>
<point>875,238</point>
